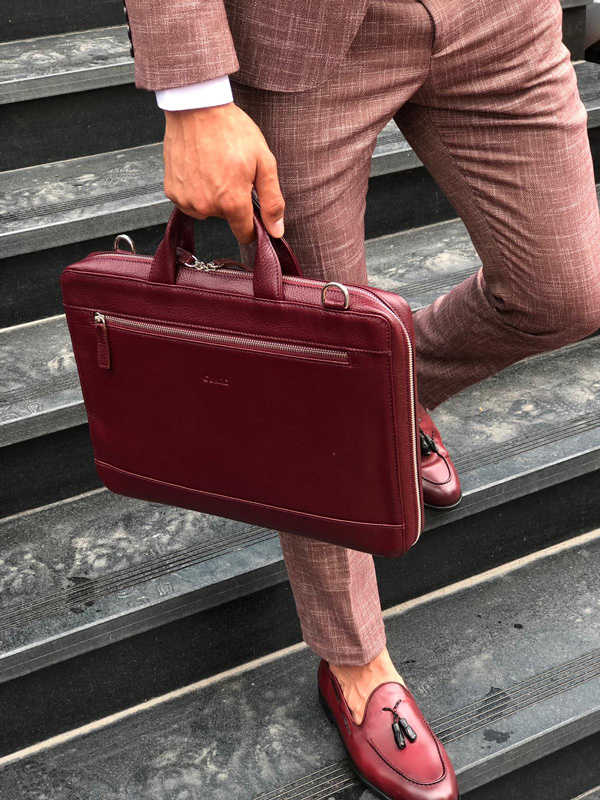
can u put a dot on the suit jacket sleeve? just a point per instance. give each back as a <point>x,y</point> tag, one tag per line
<point>178,42</point>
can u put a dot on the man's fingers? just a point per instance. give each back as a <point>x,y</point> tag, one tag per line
<point>272,205</point>
<point>241,220</point>
<point>191,212</point>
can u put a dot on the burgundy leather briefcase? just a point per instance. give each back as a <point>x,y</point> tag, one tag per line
<point>254,394</point>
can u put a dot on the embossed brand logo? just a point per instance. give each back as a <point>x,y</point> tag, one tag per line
<point>218,381</point>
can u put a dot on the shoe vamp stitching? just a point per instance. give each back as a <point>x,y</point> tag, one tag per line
<point>403,774</point>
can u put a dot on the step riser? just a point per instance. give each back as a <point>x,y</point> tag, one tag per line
<point>122,673</point>
<point>574,20</point>
<point>99,121</point>
<point>26,19</point>
<point>395,202</point>
<point>563,775</point>
<point>45,469</point>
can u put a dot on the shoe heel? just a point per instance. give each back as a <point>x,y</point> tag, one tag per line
<point>326,709</point>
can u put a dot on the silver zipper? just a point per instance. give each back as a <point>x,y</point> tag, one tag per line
<point>309,282</point>
<point>202,266</point>
<point>206,336</point>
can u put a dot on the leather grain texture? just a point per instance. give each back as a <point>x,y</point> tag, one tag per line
<point>240,393</point>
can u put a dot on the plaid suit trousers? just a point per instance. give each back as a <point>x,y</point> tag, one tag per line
<point>486,94</point>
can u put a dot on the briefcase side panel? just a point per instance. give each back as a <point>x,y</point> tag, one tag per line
<point>404,378</point>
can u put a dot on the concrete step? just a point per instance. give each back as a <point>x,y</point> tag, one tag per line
<point>70,62</point>
<point>99,569</point>
<point>506,668</point>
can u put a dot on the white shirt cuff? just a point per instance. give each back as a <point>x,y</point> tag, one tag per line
<point>214,92</point>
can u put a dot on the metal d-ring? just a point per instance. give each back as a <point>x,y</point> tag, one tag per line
<point>125,238</point>
<point>341,287</point>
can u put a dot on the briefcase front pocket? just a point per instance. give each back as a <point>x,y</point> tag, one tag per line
<point>221,413</point>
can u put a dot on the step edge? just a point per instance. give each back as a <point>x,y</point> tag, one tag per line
<point>530,750</point>
<point>103,76</point>
<point>491,495</point>
<point>54,420</point>
<point>592,794</point>
<point>93,636</point>
<point>470,777</point>
<point>34,240</point>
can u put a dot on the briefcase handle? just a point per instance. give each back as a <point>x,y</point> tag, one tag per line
<point>267,272</point>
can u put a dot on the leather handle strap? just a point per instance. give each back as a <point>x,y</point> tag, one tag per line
<point>287,259</point>
<point>267,272</point>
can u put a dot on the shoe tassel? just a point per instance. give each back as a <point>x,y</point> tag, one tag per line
<point>401,728</point>
<point>398,735</point>
<point>428,445</point>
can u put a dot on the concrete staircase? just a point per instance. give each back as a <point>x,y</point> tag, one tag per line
<point>147,651</point>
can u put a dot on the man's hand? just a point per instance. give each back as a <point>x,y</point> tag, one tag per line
<point>213,157</point>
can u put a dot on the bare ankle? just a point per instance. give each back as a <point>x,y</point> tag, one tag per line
<point>358,681</point>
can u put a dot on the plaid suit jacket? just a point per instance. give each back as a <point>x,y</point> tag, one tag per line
<point>282,45</point>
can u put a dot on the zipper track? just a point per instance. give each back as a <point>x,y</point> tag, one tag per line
<point>206,336</point>
<point>372,296</point>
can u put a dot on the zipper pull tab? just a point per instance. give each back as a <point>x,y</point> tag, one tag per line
<point>204,266</point>
<point>102,344</point>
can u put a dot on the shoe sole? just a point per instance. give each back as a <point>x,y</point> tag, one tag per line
<point>443,508</point>
<point>331,719</point>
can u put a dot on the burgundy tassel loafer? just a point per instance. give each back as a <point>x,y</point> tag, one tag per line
<point>441,484</point>
<point>393,751</point>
